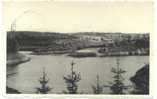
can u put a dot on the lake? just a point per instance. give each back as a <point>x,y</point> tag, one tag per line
<point>24,77</point>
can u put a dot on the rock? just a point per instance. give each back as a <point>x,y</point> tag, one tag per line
<point>141,81</point>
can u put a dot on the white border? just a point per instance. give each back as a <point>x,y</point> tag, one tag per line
<point>153,67</point>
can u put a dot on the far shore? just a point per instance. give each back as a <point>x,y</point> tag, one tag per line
<point>93,52</point>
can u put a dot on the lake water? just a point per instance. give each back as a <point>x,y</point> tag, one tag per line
<point>25,76</point>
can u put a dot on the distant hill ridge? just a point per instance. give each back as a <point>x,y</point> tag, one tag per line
<point>78,33</point>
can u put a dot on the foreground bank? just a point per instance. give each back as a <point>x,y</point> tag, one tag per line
<point>14,59</point>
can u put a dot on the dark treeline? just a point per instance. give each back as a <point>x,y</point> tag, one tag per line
<point>29,40</point>
<point>133,44</point>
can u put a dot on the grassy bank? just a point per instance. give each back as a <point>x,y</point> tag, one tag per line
<point>12,91</point>
<point>16,58</point>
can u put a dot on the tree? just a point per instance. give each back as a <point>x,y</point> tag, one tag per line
<point>117,86</point>
<point>97,89</point>
<point>12,44</point>
<point>72,80</point>
<point>44,89</point>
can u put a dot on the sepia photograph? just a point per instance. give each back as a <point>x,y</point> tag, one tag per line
<point>94,48</point>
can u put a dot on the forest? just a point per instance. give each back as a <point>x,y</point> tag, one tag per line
<point>30,41</point>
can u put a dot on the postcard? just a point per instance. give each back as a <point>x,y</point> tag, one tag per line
<point>78,49</point>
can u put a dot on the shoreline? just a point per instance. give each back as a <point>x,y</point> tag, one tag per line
<point>16,58</point>
<point>10,90</point>
<point>91,54</point>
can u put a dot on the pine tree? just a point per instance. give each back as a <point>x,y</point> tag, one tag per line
<point>44,89</point>
<point>117,86</point>
<point>72,80</point>
<point>97,89</point>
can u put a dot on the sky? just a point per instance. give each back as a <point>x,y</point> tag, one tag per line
<point>126,17</point>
